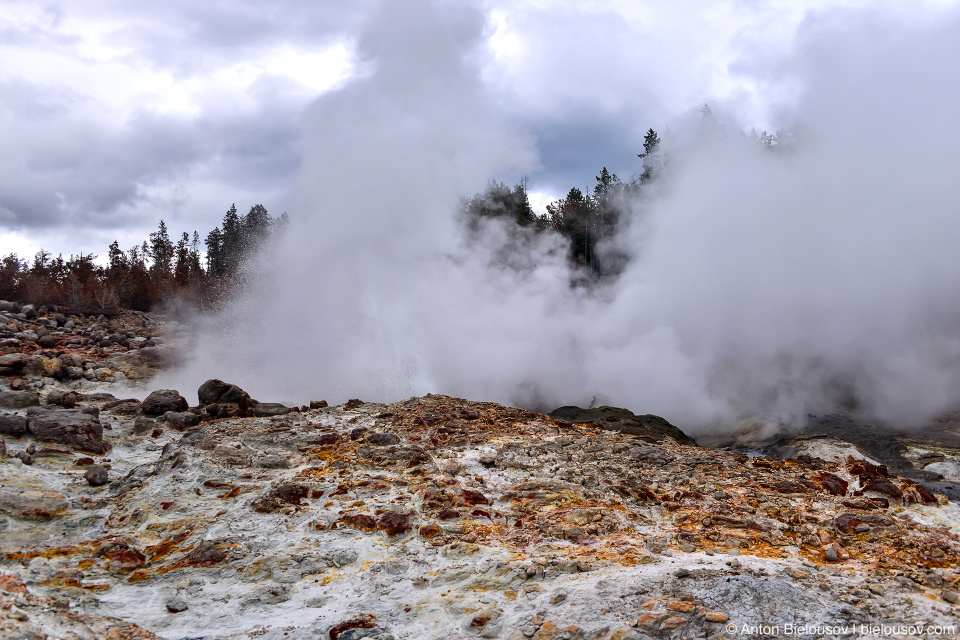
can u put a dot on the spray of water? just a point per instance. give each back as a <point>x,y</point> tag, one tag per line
<point>761,283</point>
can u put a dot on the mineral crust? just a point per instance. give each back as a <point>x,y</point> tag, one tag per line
<point>439,517</point>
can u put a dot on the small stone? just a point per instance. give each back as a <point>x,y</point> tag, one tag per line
<point>487,458</point>
<point>682,573</point>
<point>318,404</point>
<point>25,457</point>
<point>950,596</point>
<point>733,552</point>
<point>681,606</point>
<point>143,425</point>
<point>687,548</point>
<point>558,598</point>
<point>96,475</point>
<point>937,553</point>
<point>672,622</point>
<point>716,616</point>
<point>176,605</point>
<point>933,579</point>
<point>32,448</point>
<point>708,551</point>
<point>831,554</point>
<point>795,573</point>
<point>382,439</point>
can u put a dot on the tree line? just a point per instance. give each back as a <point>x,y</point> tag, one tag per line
<point>585,218</point>
<point>160,271</point>
<point>156,272</point>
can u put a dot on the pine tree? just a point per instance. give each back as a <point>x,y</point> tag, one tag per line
<point>652,163</point>
<point>195,267</point>
<point>232,241</point>
<point>161,251</point>
<point>181,268</point>
<point>216,265</point>
<point>607,181</point>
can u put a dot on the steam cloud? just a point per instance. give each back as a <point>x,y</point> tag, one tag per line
<point>761,284</point>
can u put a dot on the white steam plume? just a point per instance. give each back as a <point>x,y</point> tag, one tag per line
<point>761,284</point>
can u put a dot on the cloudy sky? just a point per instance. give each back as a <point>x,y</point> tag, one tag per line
<point>114,115</point>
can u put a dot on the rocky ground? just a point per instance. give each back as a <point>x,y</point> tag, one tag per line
<point>434,517</point>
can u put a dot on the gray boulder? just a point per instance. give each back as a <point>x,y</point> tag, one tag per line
<point>96,475</point>
<point>18,399</point>
<point>267,409</point>
<point>180,420</point>
<point>19,364</point>
<point>47,342</point>
<point>74,427</point>
<point>622,420</point>
<point>65,399</point>
<point>163,400</point>
<point>143,425</point>
<point>220,392</point>
<point>12,424</point>
<point>129,407</point>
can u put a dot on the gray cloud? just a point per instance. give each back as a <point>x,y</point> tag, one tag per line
<point>70,163</point>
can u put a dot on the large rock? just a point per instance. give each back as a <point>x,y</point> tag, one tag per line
<point>12,424</point>
<point>18,399</point>
<point>130,407</point>
<point>65,399</point>
<point>223,399</point>
<point>623,420</point>
<point>220,392</point>
<point>267,409</point>
<point>162,356</point>
<point>48,341</point>
<point>163,400</point>
<point>74,427</point>
<point>14,364</point>
<point>180,419</point>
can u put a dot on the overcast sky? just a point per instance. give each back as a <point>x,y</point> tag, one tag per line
<point>114,115</point>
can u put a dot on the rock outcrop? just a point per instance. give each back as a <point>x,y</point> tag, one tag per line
<point>78,428</point>
<point>437,517</point>
<point>623,420</point>
<point>442,518</point>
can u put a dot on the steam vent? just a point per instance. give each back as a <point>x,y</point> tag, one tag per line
<point>434,517</point>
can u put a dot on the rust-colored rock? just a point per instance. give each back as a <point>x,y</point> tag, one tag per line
<point>205,554</point>
<point>360,521</point>
<point>366,621</point>
<point>394,523</point>
<point>848,522</point>
<point>473,498</point>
